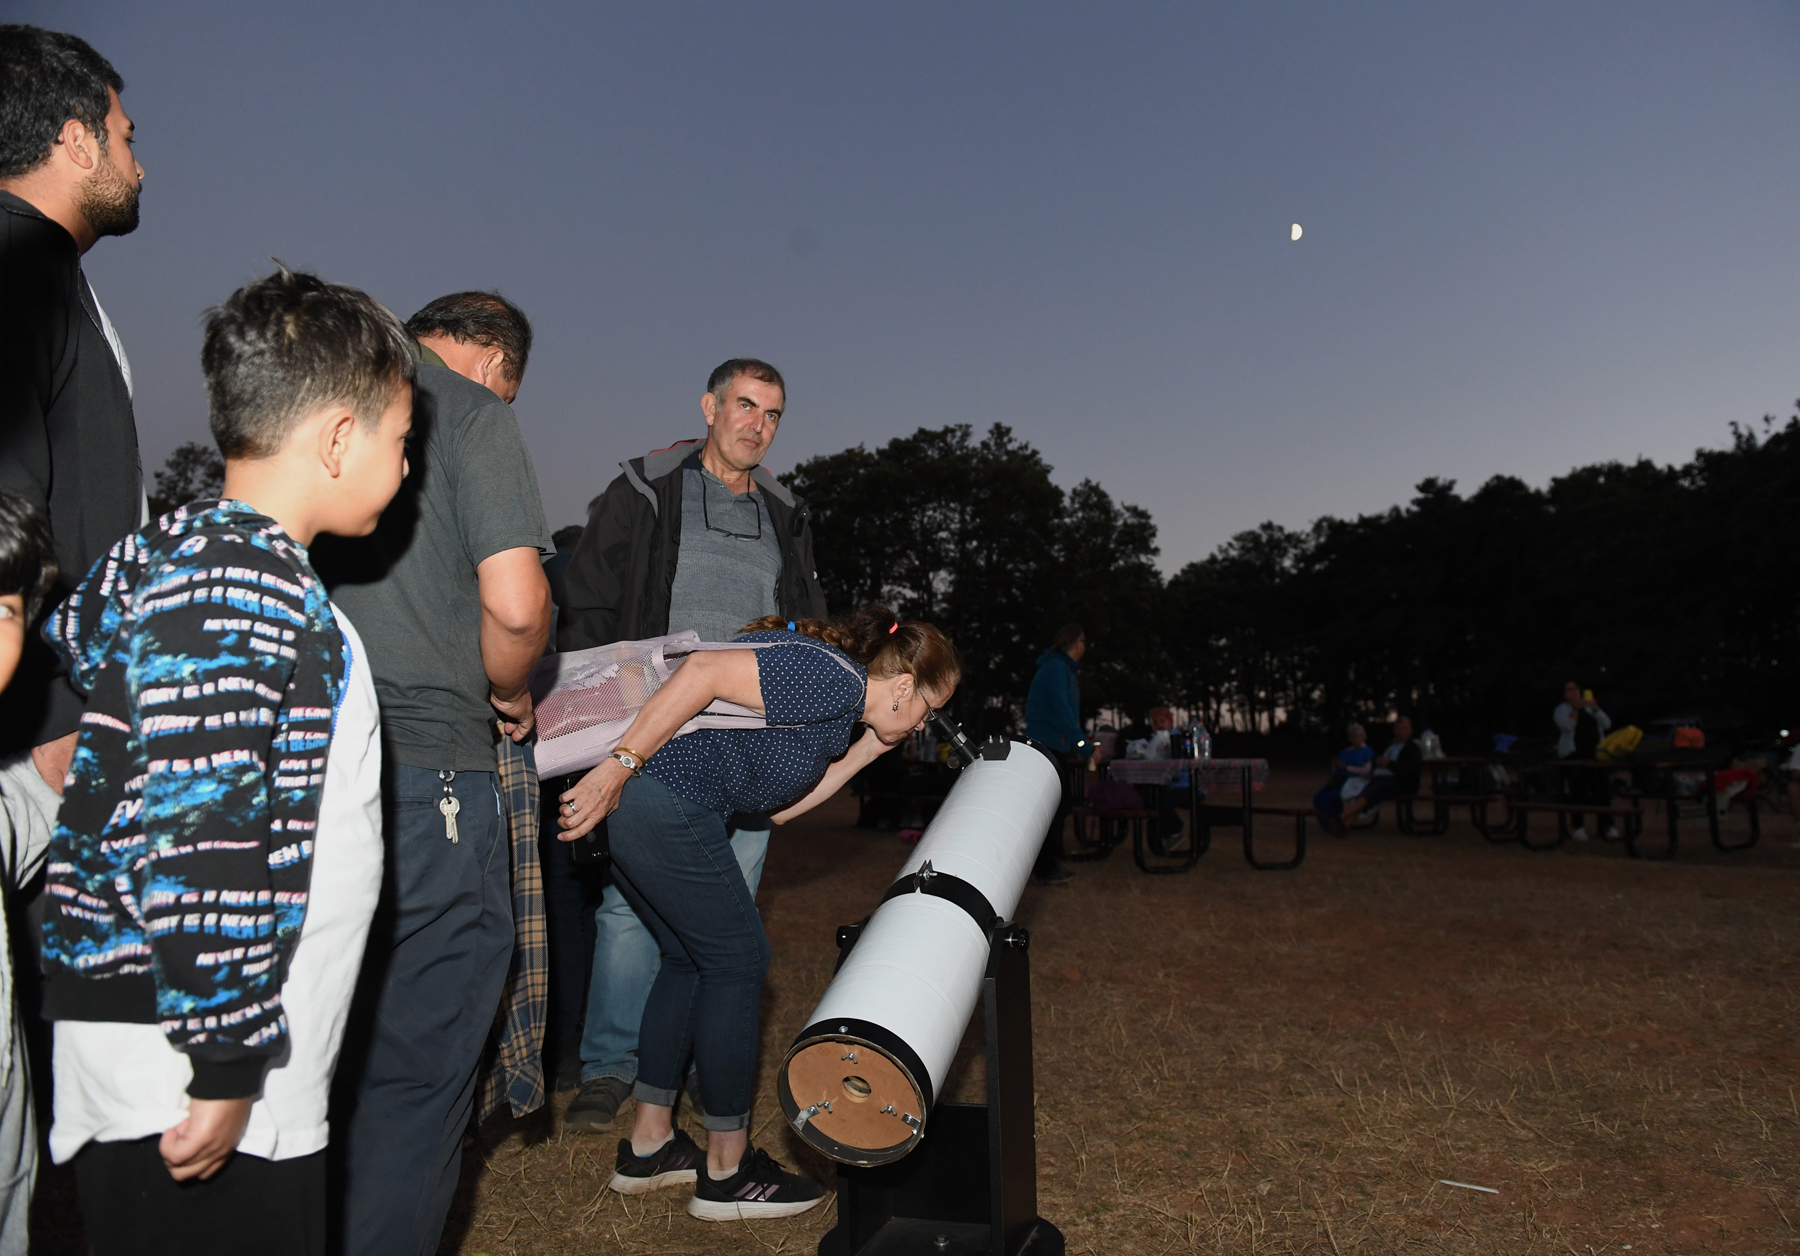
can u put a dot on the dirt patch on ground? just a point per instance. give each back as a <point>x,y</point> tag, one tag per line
<point>1241,1061</point>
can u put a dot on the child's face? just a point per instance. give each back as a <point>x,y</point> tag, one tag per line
<point>374,464</point>
<point>12,635</point>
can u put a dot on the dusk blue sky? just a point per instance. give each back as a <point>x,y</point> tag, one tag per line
<point>1536,235</point>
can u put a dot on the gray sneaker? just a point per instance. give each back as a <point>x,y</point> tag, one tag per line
<point>592,1111</point>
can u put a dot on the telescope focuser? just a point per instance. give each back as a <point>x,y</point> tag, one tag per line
<point>948,730</point>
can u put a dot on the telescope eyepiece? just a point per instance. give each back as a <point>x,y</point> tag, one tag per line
<point>949,731</point>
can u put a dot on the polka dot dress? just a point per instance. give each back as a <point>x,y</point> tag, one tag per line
<point>813,691</point>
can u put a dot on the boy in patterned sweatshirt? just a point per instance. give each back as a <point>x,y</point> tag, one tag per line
<point>218,855</point>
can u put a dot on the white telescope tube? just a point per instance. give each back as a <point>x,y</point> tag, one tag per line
<point>861,1078</point>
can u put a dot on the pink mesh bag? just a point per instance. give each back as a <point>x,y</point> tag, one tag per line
<point>586,699</point>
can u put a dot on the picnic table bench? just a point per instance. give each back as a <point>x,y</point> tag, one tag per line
<point>1247,776</point>
<point>1655,779</point>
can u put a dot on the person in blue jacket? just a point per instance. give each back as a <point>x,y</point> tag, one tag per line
<point>1053,717</point>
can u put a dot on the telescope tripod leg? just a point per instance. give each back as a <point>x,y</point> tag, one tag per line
<point>970,1187</point>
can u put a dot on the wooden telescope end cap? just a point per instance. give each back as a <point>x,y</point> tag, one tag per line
<point>849,1100</point>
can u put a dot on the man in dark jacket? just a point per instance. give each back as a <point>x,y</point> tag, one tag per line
<point>1053,718</point>
<point>68,443</point>
<point>697,536</point>
<point>623,577</point>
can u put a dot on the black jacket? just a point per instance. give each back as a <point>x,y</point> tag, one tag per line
<point>1408,767</point>
<point>619,580</point>
<point>68,443</point>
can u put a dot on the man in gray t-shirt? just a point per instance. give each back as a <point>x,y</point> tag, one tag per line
<point>451,601</point>
<point>730,560</point>
<point>420,584</point>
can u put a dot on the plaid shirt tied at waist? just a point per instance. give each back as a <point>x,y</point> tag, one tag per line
<point>515,1074</point>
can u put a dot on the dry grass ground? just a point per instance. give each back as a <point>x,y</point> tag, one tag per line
<point>1241,1061</point>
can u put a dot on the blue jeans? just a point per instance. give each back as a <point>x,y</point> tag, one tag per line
<point>626,960</point>
<point>675,865</point>
<point>437,958</point>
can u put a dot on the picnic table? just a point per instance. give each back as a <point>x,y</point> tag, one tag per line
<point>1247,776</point>
<point>1659,777</point>
<point>1461,781</point>
<point>1653,776</point>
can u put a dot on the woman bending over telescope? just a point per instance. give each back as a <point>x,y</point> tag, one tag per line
<point>668,798</point>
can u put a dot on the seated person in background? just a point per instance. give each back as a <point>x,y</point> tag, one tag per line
<point>1108,743</point>
<point>1396,773</point>
<point>1150,740</point>
<point>1350,773</point>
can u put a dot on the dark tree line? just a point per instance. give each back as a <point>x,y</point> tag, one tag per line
<point>973,536</point>
<point>1671,591</point>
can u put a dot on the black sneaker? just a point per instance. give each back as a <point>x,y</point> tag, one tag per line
<point>760,1188</point>
<point>593,1110</point>
<point>675,1163</point>
<point>1058,875</point>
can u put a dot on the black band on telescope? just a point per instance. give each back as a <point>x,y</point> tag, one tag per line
<point>953,889</point>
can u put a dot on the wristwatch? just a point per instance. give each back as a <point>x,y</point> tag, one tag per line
<point>633,762</point>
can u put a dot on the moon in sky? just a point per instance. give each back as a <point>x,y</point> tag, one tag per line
<point>1296,233</point>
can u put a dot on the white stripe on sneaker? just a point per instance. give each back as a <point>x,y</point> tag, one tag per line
<point>741,1210</point>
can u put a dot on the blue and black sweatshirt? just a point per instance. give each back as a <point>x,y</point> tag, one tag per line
<point>178,874</point>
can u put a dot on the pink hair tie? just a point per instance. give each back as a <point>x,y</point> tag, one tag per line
<point>893,628</point>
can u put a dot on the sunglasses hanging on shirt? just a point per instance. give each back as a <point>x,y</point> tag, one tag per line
<point>737,505</point>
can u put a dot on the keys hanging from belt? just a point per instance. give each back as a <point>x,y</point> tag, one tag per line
<point>449,804</point>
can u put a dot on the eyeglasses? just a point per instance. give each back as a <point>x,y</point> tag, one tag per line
<point>706,514</point>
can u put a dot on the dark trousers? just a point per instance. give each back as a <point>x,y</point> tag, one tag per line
<point>437,961</point>
<point>674,863</point>
<point>1050,854</point>
<point>132,1207</point>
<point>571,893</point>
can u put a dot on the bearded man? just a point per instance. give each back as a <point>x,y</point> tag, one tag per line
<point>68,442</point>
